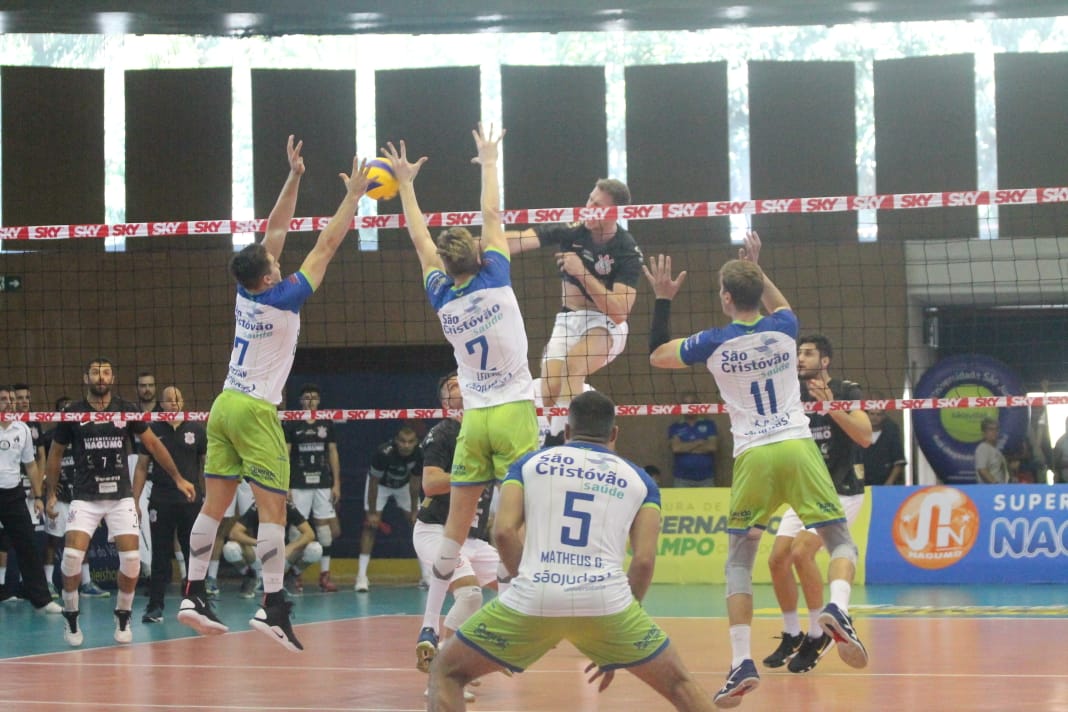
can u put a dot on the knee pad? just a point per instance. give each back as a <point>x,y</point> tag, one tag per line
<point>130,563</point>
<point>466,600</point>
<point>839,542</point>
<point>312,553</point>
<point>323,534</point>
<point>741,553</point>
<point>232,552</point>
<point>71,565</point>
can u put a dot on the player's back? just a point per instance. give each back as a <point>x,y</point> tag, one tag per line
<point>580,500</point>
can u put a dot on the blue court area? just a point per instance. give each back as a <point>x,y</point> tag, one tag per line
<point>25,632</point>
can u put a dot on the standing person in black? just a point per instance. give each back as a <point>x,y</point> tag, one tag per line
<point>102,489</point>
<point>169,511</point>
<point>315,478</point>
<point>17,449</point>
<point>600,266</point>
<point>396,473</point>
<point>838,435</point>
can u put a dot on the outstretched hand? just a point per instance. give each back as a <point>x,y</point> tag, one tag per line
<point>751,251</point>
<point>404,171</point>
<point>356,184</point>
<point>658,273</point>
<point>487,145</point>
<point>296,161</point>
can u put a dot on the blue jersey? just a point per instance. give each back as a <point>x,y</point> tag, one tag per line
<point>482,321</point>
<point>265,339</point>
<point>755,367</point>
<point>579,502</point>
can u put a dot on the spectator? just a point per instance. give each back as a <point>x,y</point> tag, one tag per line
<point>882,462</point>
<point>693,443</point>
<point>990,465</point>
<point>1060,457</point>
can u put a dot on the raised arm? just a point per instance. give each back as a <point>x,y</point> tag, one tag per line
<point>772,299</point>
<point>286,205</point>
<point>315,264</point>
<point>493,234</point>
<point>663,350</point>
<point>405,173</point>
<point>522,240</point>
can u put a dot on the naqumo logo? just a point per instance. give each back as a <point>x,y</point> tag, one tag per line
<point>936,527</point>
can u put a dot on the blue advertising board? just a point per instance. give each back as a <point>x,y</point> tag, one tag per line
<point>968,534</point>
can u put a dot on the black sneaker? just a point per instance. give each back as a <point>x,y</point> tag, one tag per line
<point>786,651</point>
<point>196,612</point>
<point>810,652</point>
<point>153,614</point>
<point>272,619</point>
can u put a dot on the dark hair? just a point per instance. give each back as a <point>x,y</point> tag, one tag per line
<point>591,417</point>
<point>652,470</point>
<point>442,381</point>
<point>20,387</point>
<point>458,250</point>
<point>616,188</point>
<point>821,342</point>
<point>142,374</point>
<point>406,430</point>
<point>310,388</point>
<point>744,281</point>
<point>250,265</point>
<point>988,423</point>
<point>98,360</point>
<point>60,402</point>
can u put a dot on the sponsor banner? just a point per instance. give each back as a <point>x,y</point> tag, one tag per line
<point>693,537</point>
<point>969,534</point>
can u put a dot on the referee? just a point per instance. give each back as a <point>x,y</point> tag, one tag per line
<point>16,447</point>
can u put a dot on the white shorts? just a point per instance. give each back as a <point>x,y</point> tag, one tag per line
<point>313,503</point>
<point>120,515</point>
<point>477,557</point>
<point>791,524</point>
<point>571,326</point>
<point>57,526</point>
<point>242,500</point>
<point>402,496</point>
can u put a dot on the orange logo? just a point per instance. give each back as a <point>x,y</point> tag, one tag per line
<point>936,527</point>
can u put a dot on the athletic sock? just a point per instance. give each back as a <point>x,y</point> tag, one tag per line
<point>271,550</point>
<point>840,590</point>
<point>201,542</point>
<point>740,644</point>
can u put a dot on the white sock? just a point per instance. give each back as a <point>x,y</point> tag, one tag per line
<point>740,644</point>
<point>124,601</point>
<point>201,542</point>
<point>271,550</point>
<point>365,559</point>
<point>791,623</point>
<point>70,600</point>
<point>324,565</point>
<point>814,629</point>
<point>213,569</point>
<point>840,590</point>
<point>49,570</point>
<point>87,576</point>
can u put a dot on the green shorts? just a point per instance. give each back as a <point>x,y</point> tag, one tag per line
<point>790,471</point>
<point>491,439</point>
<point>517,641</point>
<point>246,439</point>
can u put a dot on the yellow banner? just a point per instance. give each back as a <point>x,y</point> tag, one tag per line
<point>693,537</point>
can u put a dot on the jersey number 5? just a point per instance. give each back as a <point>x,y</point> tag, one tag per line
<point>568,534</point>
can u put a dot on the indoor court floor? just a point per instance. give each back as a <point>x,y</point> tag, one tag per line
<point>947,648</point>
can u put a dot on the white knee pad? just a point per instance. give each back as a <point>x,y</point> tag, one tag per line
<point>71,565</point>
<point>323,534</point>
<point>130,563</point>
<point>466,600</point>
<point>312,553</point>
<point>232,552</point>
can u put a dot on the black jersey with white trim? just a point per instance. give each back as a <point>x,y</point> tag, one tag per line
<point>618,260</point>
<point>99,451</point>
<point>309,454</point>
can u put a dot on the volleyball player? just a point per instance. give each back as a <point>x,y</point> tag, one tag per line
<point>564,539</point>
<point>470,288</point>
<point>753,361</point>
<point>600,265</point>
<point>102,490</point>
<point>244,436</point>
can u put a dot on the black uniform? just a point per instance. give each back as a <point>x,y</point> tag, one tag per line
<point>99,451</point>
<point>251,519</point>
<point>439,445</point>
<point>168,510</point>
<point>837,448</point>
<point>309,461</point>
<point>618,260</point>
<point>394,470</point>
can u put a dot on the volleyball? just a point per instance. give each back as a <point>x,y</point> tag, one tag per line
<point>382,184</point>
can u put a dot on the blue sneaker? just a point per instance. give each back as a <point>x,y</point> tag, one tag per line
<point>839,626</point>
<point>91,590</point>
<point>426,649</point>
<point>741,680</point>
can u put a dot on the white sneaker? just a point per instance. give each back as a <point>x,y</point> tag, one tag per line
<point>50,607</point>
<point>362,584</point>
<point>123,629</point>
<point>71,632</point>
<point>468,695</point>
